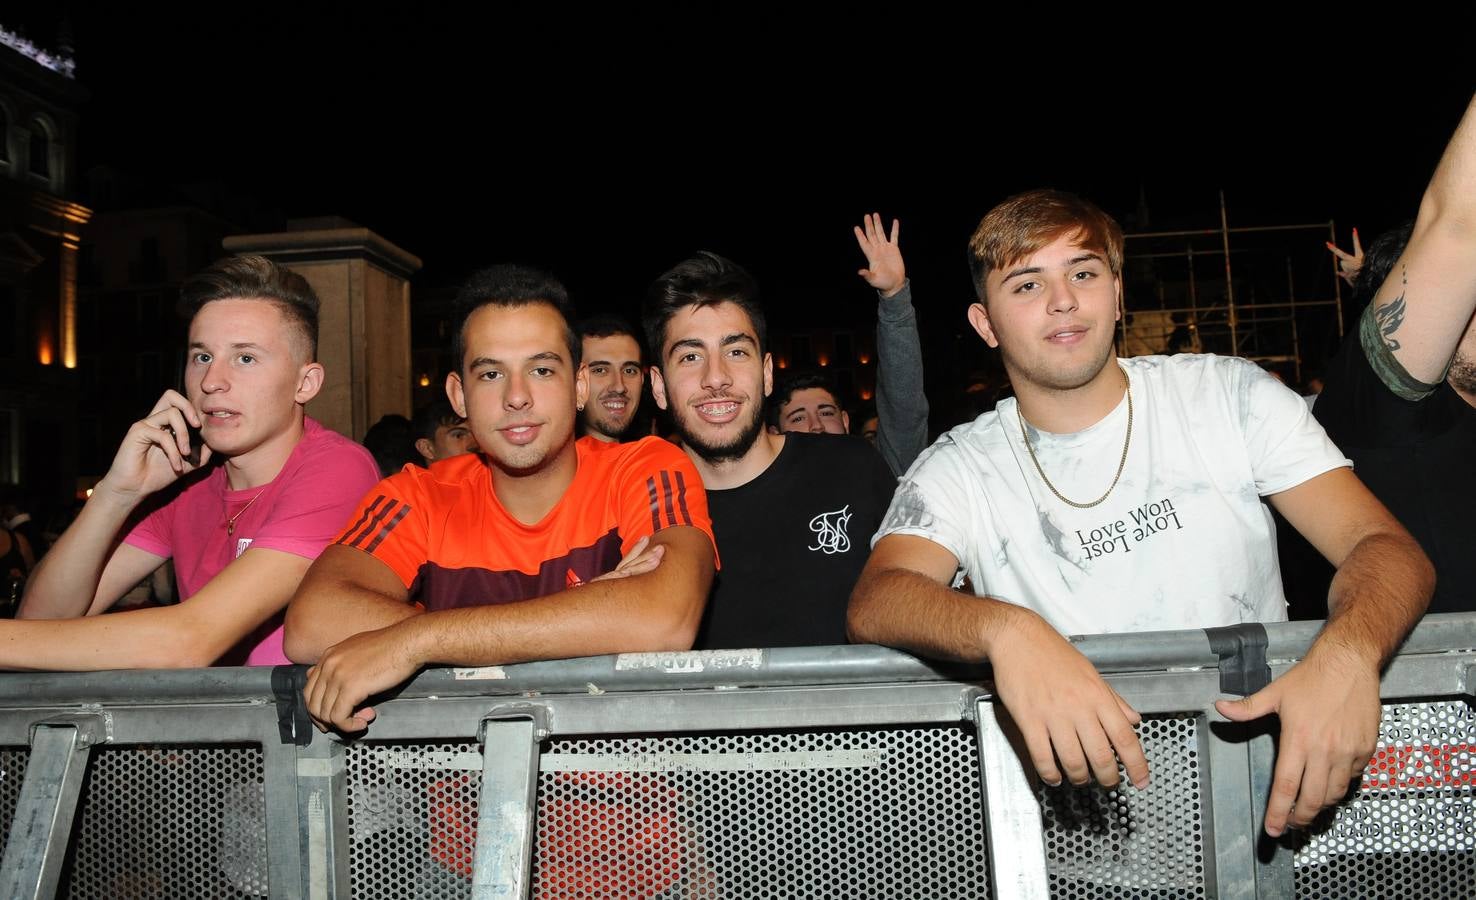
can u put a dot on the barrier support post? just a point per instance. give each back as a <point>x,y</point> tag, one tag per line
<point>502,865</point>
<point>322,815</point>
<point>1017,860</point>
<point>42,827</point>
<point>1248,863</point>
<point>1274,876</point>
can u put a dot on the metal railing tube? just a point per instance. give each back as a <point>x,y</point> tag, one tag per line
<point>783,666</point>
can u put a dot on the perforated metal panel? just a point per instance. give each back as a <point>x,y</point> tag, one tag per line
<point>835,814</point>
<point>1410,831</point>
<point>412,819</point>
<point>12,773</point>
<point>1127,843</point>
<point>177,822</point>
<point>888,813</point>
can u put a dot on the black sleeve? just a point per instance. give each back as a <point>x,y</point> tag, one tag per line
<point>1357,410</point>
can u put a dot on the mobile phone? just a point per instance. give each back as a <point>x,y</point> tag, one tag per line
<point>197,443</point>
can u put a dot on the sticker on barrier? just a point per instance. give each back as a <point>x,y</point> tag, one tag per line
<point>690,662</point>
<point>480,673</point>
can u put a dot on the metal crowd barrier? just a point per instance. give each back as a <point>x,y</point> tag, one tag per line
<point>811,772</point>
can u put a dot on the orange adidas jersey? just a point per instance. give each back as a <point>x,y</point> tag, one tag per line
<point>445,534</point>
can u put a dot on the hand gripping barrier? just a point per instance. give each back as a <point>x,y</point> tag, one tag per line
<point>804,772</point>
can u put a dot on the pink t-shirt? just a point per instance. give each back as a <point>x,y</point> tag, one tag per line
<point>299,511</point>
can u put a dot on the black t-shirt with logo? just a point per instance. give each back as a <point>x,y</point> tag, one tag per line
<point>793,542</point>
<point>1418,457</point>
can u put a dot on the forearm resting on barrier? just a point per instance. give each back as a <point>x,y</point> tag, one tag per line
<point>344,592</point>
<point>191,634</point>
<point>658,609</point>
<point>1065,710</point>
<point>170,637</point>
<point>1383,581</point>
<point>1328,703</point>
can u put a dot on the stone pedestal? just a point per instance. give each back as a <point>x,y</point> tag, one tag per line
<point>362,281</point>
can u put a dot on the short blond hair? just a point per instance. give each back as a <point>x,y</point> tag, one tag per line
<point>1027,222</point>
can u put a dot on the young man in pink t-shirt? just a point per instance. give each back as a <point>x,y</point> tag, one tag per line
<point>242,520</point>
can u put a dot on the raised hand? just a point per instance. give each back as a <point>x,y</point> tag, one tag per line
<point>1349,264</point>
<point>156,450</point>
<point>884,268</point>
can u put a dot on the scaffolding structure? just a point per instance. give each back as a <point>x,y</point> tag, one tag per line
<point>1269,293</point>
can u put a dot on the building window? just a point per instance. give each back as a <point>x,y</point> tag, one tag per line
<point>40,150</point>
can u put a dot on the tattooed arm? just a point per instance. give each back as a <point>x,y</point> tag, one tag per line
<point>1422,310</point>
<point>1391,315</point>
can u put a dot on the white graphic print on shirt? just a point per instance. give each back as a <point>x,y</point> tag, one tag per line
<point>830,531</point>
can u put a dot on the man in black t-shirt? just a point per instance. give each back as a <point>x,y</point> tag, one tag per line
<point>793,514</point>
<point>1400,396</point>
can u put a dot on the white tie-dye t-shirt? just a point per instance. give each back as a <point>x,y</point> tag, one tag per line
<point>1184,539</point>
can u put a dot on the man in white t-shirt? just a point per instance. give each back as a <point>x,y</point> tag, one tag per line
<point>1125,495</point>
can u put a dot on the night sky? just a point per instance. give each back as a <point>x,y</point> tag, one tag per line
<point>607,148</point>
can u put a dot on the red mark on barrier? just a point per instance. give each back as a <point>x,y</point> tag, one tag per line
<point>1422,766</point>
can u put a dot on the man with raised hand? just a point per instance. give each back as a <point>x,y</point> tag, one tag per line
<point>539,547</point>
<point>1400,396</point>
<point>1119,495</point>
<point>242,520</point>
<point>792,512</point>
<point>612,356</point>
<point>807,401</point>
<point>901,405</point>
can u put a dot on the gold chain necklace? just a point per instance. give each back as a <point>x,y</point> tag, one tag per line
<point>1121,463</point>
<point>231,522</point>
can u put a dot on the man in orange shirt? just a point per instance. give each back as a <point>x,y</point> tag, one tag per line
<point>513,554</point>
